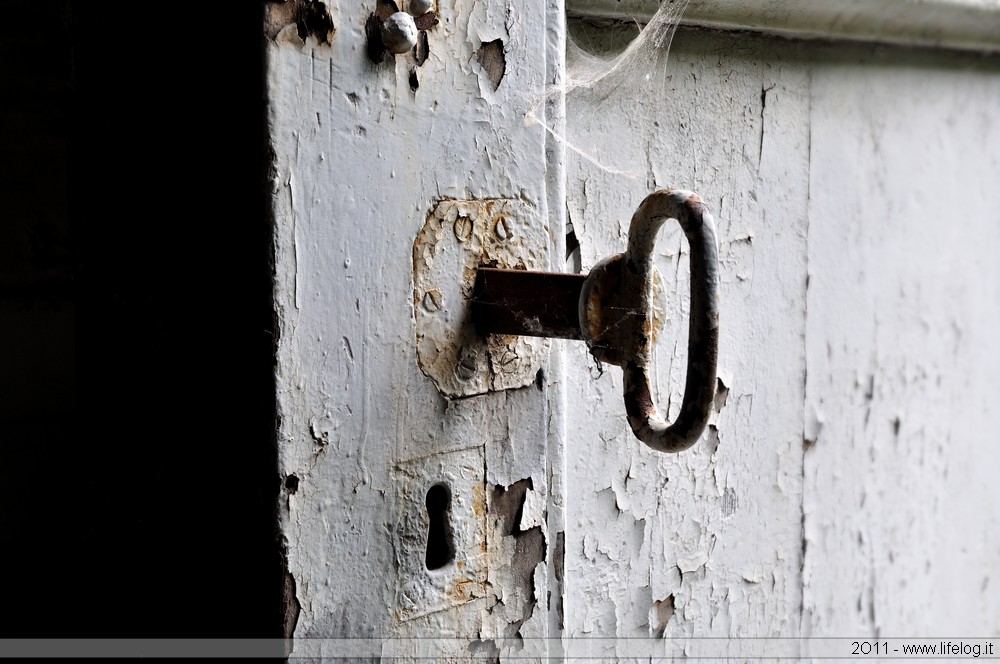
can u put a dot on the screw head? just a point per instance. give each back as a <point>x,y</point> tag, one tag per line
<point>468,364</point>
<point>508,361</point>
<point>399,33</point>
<point>432,300</point>
<point>463,228</point>
<point>502,229</point>
<point>419,7</point>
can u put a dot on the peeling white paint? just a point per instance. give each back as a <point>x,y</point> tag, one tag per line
<point>715,514</point>
<point>902,499</point>
<point>360,157</point>
<point>848,473</point>
<point>821,163</point>
<point>533,514</point>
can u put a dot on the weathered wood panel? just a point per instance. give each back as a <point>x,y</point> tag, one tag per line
<point>846,480</point>
<point>362,154</point>
<point>707,542</point>
<point>849,478</point>
<point>902,511</point>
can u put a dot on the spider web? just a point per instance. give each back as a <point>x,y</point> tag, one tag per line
<point>595,78</point>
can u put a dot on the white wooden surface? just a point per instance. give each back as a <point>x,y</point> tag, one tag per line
<point>902,493</point>
<point>846,486</point>
<point>713,532</point>
<point>360,160</point>
<point>855,192</point>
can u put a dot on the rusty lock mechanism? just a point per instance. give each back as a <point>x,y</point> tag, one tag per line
<point>611,309</point>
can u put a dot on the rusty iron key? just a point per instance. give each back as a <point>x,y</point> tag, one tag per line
<point>611,309</point>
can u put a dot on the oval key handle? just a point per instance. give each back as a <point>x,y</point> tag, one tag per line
<point>617,322</point>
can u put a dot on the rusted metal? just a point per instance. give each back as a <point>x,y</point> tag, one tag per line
<point>616,314</point>
<point>602,315</point>
<point>617,310</point>
<point>526,303</point>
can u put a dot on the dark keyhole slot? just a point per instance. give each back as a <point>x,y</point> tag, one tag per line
<point>440,548</point>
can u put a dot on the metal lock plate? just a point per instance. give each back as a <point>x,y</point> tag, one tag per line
<point>457,237</point>
<point>420,590</point>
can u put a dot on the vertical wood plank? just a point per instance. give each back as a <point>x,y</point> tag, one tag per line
<point>902,503</point>
<point>706,542</point>
<point>361,154</point>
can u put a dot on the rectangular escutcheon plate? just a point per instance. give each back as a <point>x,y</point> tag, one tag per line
<point>440,536</point>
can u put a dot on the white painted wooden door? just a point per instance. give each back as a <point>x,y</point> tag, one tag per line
<point>845,486</point>
<point>850,471</point>
<point>446,142</point>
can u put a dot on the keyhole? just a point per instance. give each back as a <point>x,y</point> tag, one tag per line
<point>440,548</point>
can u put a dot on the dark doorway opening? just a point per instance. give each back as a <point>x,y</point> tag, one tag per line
<point>137,456</point>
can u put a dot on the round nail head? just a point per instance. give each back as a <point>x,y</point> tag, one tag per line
<point>419,7</point>
<point>399,33</point>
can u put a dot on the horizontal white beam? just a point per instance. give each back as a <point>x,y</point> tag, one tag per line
<point>963,24</point>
